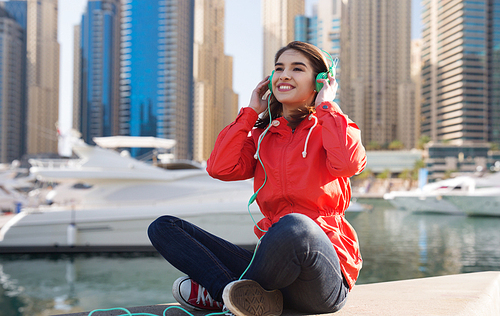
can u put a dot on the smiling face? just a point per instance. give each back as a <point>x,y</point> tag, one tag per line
<point>293,81</point>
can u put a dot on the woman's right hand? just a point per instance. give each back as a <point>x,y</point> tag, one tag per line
<point>258,93</point>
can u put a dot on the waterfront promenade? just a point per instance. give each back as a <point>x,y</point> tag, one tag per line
<point>471,294</point>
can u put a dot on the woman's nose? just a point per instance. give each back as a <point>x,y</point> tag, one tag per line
<point>284,75</point>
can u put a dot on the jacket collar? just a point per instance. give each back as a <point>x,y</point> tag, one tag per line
<point>280,126</point>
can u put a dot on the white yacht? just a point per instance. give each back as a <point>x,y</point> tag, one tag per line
<point>104,201</point>
<point>482,200</point>
<point>15,183</point>
<point>443,196</point>
<point>429,199</point>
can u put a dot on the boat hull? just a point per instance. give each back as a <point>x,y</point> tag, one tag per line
<point>122,228</point>
<point>481,203</point>
<point>115,228</point>
<point>424,204</point>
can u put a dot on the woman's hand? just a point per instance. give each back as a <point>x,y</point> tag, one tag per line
<point>329,90</point>
<point>256,101</point>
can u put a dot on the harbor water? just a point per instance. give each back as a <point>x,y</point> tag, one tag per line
<point>395,245</point>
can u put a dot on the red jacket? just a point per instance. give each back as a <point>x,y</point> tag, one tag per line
<point>307,172</point>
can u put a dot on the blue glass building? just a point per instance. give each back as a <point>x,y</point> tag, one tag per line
<point>306,29</point>
<point>12,88</point>
<point>18,11</point>
<point>494,71</point>
<point>156,86</point>
<point>99,45</point>
<point>312,30</point>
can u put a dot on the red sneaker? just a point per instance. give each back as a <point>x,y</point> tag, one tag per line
<point>193,296</point>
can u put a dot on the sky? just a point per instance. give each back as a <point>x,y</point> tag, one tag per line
<point>243,41</point>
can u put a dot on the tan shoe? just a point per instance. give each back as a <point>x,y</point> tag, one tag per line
<point>248,298</point>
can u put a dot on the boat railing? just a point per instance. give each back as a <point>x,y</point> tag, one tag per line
<point>55,163</point>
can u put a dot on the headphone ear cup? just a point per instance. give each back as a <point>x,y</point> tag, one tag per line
<point>319,85</point>
<point>270,84</point>
<point>324,75</point>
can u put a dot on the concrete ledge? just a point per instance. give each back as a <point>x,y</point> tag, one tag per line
<point>462,294</point>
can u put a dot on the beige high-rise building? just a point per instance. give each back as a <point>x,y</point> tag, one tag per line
<point>416,77</point>
<point>377,91</point>
<point>77,72</point>
<point>278,17</point>
<point>456,36</point>
<point>329,18</point>
<point>215,103</point>
<point>42,76</point>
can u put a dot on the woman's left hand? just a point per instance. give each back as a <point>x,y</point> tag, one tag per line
<point>329,90</point>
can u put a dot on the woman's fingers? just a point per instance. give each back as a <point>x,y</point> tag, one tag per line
<point>257,101</point>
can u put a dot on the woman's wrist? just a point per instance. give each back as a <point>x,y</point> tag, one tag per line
<point>253,109</point>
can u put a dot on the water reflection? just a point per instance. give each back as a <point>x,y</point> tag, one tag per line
<point>400,245</point>
<point>64,284</point>
<point>395,245</point>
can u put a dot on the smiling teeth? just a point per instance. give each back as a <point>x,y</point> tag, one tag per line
<point>285,88</point>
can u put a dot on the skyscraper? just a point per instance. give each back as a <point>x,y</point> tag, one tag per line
<point>77,77</point>
<point>98,70</point>
<point>42,76</point>
<point>322,29</point>
<point>278,18</point>
<point>156,80</point>
<point>12,88</point>
<point>461,71</point>
<point>328,25</point>
<point>416,76</point>
<point>306,28</point>
<point>494,71</point>
<point>376,80</point>
<point>215,103</point>
<point>38,18</point>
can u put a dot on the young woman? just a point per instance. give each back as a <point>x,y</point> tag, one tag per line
<point>308,258</point>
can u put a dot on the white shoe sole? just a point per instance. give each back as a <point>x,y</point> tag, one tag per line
<point>248,298</point>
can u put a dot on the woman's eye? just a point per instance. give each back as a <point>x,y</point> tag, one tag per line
<point>298,69</point>
<point>278,69</point>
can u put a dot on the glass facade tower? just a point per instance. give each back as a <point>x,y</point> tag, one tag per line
<point>306,29</point>
<point>12,88</point>
<point>494,71</point>
<point>156,80</point>
<point>99,76</point>
<point>460,72</point>
<point>18,11</point>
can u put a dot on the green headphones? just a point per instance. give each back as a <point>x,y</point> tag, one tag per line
<point>321,75</point>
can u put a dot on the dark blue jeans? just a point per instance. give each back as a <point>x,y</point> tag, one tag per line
<point>294,256</point>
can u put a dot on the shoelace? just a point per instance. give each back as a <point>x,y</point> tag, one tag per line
<point>227,311</point>
<point>204,298</point>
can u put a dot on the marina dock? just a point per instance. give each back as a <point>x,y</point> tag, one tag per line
<point>461,294</point>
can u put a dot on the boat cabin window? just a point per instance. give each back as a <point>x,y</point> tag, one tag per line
<point>82,186</point>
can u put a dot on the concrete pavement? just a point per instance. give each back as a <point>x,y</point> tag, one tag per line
<point>471,294</point>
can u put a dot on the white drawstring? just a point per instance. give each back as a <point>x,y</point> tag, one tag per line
<point>304,153</point>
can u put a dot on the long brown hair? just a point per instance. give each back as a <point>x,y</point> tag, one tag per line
<point>318,64</point>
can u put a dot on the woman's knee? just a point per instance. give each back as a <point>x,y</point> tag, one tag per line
<point>162,223</point>
<point>299,226</point>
